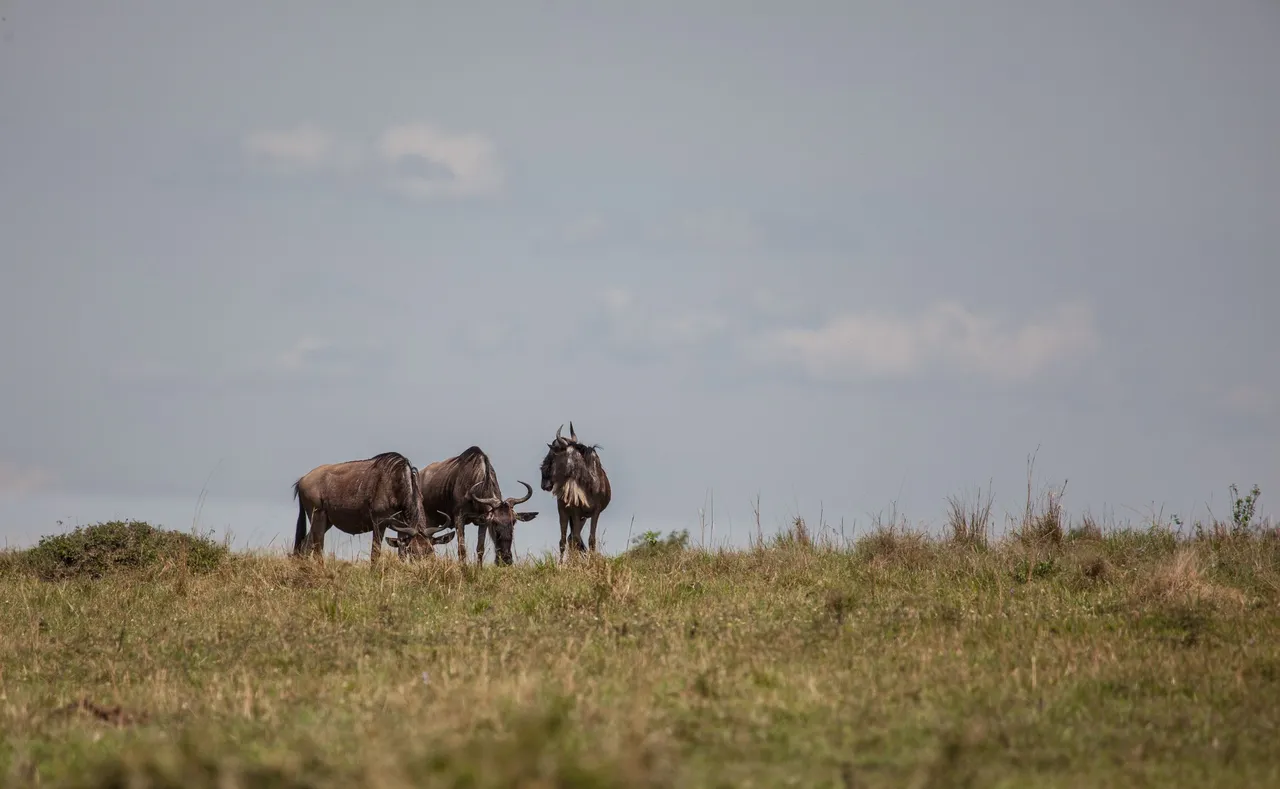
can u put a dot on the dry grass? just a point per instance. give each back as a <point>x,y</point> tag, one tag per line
<point>1181,580</point>
<point>1132,659</point>
<point>969,523</point>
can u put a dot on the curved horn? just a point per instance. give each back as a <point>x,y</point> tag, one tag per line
<point>488,501</point>
<point>558,429</point>
<point>528,495</point>
<point>434,530</point>
<point>431,530</point>
<point>573,434</point>
<point>393,523</point>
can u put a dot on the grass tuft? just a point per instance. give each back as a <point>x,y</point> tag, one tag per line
<point>969,523</point>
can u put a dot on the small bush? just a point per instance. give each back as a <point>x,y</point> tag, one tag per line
<point>1087,530</point>
<point>797,534</point>
<point>894,544</point>
<point>94,551</point>
<point>651,543</point>
<point>1043,526</point>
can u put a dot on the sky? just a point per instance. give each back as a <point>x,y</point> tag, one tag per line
<point>851,258</point>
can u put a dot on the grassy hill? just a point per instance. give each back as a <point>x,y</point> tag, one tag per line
<point>1084,659</point>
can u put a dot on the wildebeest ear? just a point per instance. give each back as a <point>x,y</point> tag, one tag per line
<point>526,516</point>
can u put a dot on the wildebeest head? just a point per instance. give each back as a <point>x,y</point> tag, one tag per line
<point>566,459</point>
<point>500,516</point>
<point>416,545</point>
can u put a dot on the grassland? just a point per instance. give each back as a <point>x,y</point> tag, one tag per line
<point>1130,658</point>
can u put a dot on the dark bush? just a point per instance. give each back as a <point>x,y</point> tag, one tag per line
<point>93,551</point>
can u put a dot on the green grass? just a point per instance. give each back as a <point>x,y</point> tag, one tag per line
<point>1130,659</point>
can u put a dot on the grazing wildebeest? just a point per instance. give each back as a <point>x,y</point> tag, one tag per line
<point>572,473</point>
<point>360,496</point>
<point>466,487</point>
<point>416,545</point>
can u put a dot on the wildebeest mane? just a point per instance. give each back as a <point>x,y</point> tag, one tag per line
<point>389,461</point>
<point>475,454</point>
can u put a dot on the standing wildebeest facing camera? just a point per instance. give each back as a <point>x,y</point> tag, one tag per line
<point>572,472</point>
<point>466,487</point>
<point>361,496</point>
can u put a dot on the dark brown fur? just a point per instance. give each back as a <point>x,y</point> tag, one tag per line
<point>572,472</point>
<point>466,487</point>
<point>361,496</point>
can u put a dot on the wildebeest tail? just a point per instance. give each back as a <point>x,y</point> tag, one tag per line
<point>300,533</point>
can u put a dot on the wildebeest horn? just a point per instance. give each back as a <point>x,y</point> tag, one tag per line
<point>401,528</point>
<point>573,434</point>
<point>430,530</point>
<point>489,501</point>
<point>528,495</point>
<point>558,429</point>
<point>448,522</point>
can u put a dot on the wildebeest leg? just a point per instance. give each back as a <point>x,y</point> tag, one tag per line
<point>564,526</point>
<point>319,525</point>
<point>376,551</point>
<point>460,526</point>
<point>480,538</point>
<point>595,518</point>
<point>578,521</point>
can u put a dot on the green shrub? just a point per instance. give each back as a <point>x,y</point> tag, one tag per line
<point>652,543</point>
<point>94,551</point>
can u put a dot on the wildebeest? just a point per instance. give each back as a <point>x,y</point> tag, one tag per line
<point>359,496</point>
<point>466,487</point>
<point>572,472</point>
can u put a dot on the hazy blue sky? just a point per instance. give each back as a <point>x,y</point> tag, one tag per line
<point>836,254</point>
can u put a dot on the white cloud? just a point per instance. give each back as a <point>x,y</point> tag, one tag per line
<point>296,358</point>
<point>20,480</point>
<point>634,326</point>
<point>304,146</point>
<point>879,345</point>
<point>268,363</point>
<point>873,344</point>
<point>468,164</point>
<point>418,160</point>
